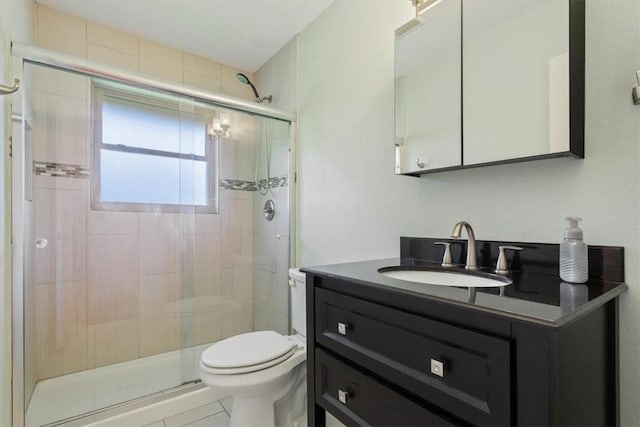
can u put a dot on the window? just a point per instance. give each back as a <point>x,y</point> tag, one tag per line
<point>151,152</point>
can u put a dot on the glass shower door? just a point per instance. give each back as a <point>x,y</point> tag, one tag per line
<point>145,238</point>
<point>120,182</point>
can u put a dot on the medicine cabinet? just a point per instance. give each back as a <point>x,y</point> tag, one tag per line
<point>481,82</point>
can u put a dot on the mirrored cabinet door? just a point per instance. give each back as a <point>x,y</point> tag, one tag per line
<point>428,92</point>
<point>516,79</point>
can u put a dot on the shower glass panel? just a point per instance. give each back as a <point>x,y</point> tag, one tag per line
<point>145,238</point>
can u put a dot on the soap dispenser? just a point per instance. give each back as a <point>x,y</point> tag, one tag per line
<point>574,264</point>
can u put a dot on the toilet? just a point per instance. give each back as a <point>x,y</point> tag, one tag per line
<point>264,371</point>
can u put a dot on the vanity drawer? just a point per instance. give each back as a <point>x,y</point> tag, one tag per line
<point>464,371</point>
<point>357,399</point>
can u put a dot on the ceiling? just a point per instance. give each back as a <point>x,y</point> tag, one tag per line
<point>240,33</point>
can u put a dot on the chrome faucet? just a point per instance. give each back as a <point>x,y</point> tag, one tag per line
<point>471,245</point>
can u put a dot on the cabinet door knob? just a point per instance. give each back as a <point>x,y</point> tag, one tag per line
<point>437,368</point>
<point>342,328</point>
<point>342,396</point>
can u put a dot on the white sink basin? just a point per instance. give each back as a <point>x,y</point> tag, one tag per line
<point>444,277</point>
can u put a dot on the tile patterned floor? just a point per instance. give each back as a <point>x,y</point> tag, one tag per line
<point>214,414</point>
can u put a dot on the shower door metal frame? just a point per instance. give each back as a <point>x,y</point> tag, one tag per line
<point>31,54</point>
<point>67,62</point>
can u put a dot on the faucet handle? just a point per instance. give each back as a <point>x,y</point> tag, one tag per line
<point>447,260</point>
<point>501,265</point>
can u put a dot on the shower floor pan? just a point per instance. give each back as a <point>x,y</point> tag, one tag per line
<point>72,395</point>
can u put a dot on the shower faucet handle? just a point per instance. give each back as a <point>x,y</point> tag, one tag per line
<point>447,259</point>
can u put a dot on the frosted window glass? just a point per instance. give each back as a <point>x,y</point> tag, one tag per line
<point>152,127</point>
<point>142,178</point>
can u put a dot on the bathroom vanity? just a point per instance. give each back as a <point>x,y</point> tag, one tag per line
<point>383,351</point>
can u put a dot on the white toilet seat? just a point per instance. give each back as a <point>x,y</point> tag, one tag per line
<point>250,351</point>
<point>251,368</point>
<point>254,380</point>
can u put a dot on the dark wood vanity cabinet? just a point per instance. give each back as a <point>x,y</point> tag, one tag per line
<point>380,356</point>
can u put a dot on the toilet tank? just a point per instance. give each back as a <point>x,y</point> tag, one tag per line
<point>298,301</point>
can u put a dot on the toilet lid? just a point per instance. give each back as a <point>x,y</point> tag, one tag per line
<point>248,350</point>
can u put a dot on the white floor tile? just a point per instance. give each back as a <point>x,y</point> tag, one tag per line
<point>227,404</point>
<point>218,420</point>
<point>196,414</point>
<point>156,424</point>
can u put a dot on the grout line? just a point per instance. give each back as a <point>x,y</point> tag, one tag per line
<point>224,409</point>
<point>195,409</point>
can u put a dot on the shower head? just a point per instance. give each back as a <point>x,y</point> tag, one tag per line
<point>244,79</point>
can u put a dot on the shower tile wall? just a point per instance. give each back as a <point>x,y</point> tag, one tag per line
<point>109,286</point>
<point>271,255</point>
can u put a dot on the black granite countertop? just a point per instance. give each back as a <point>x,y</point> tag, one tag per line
<point>537,295</point>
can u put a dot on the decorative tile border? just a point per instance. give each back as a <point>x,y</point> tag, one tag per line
<point>279,181</point>
<point>60,170</point>
<point>75,171</point>
<point>236,184</point>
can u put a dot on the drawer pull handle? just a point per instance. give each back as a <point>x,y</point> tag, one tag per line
<point>342,328</point>
<point>437,368</point>
<point>342,396</point>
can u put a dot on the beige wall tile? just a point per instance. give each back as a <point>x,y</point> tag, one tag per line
<point>61,328</point>
<point>237,284</point>
<point>236,194</point>
<point>237,247</point>
<point>207,320</point>
<point>112,342</point>
<point>102,35</point>
<point>30,350</point>
<point>202,66</point>
<point>201,223</point>
<point>237,318</point>
<point>202,82</point>
<point>282,276</point>
<point>265,299</point>
<point>160,243</point>
<point>112,47</point>
<point>282,324</point>
<point>237,213</point>
<point>53,182</point>
<point>203,264</point>
<point>60,218</point>
<point>160,313</point>
<point>109,56</point>
<point>160,61</point>
<point>111,222</point>
<point>61,117</point>
<point>112,277</point>
<point>59,31</point>
<point>202,73</point>
<point>238,153</point>
<point>60,129</point>
<point>233,87</point>
<point>237,232</point>
<point>61,83</point>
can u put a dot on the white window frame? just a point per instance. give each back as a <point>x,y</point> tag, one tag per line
<point>211,157</point>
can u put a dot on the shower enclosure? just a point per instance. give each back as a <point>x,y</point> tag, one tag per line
<point>142,234</point>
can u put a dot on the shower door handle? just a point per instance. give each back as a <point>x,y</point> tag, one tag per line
<point>41,243</point>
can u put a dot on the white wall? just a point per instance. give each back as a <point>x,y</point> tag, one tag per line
<point>352,207</point>
<point>5,249</point>
<point>15,24</point>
